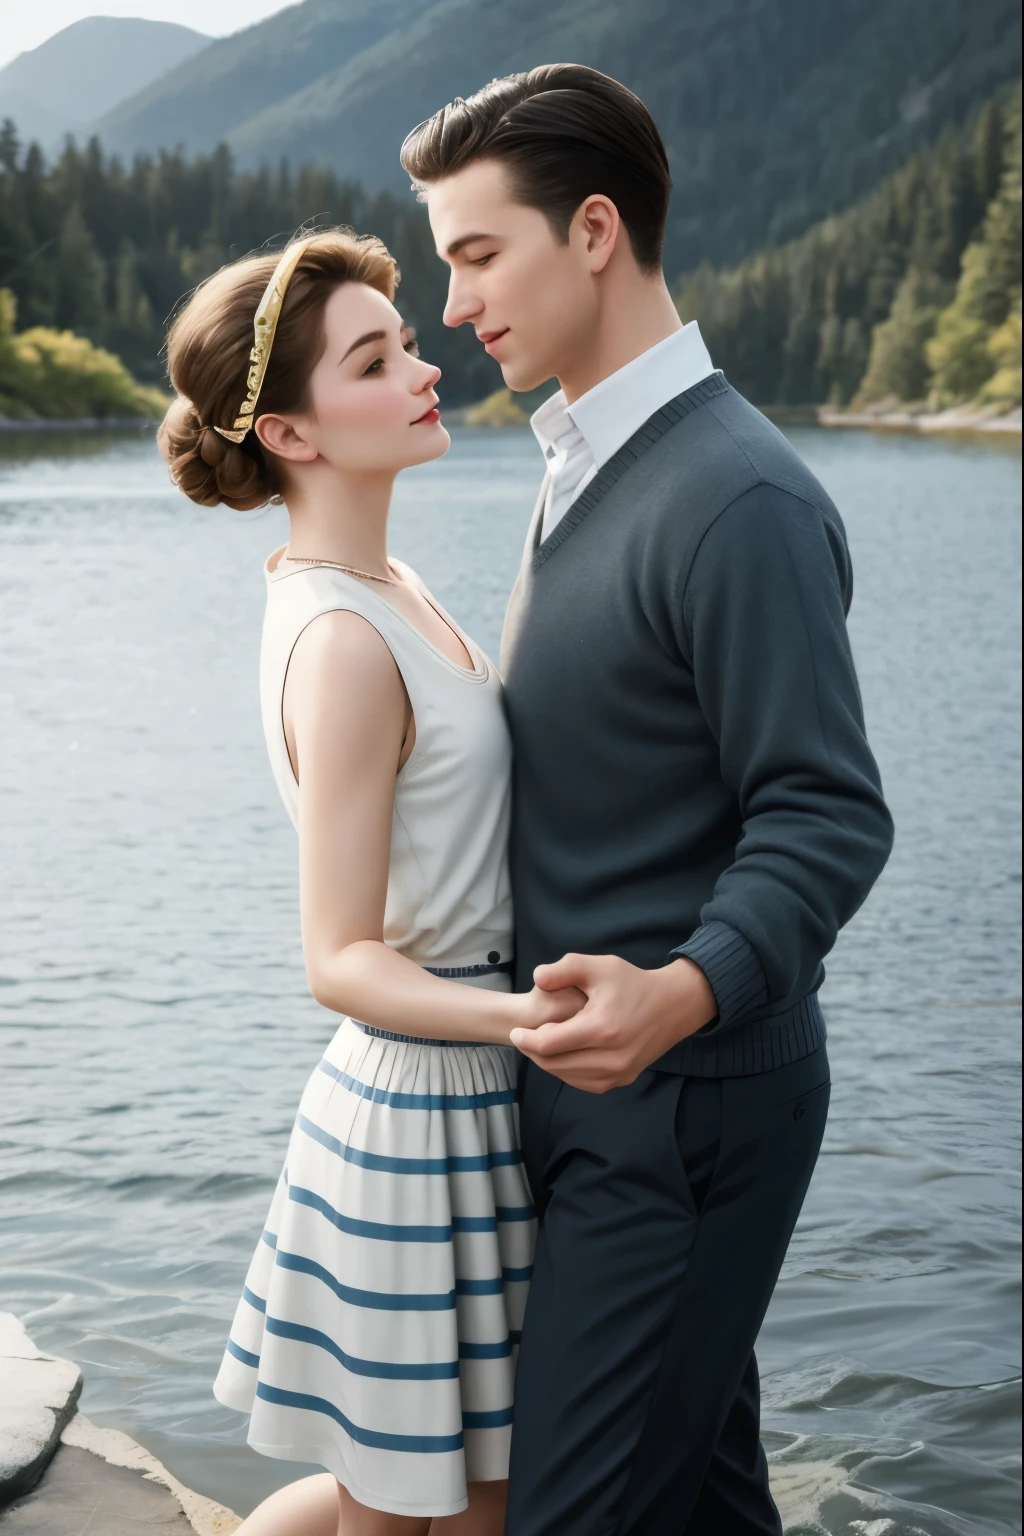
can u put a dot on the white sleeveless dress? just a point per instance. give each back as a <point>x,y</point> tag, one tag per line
<point>378,1327</point>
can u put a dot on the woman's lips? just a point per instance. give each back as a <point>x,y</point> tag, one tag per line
<point>428,417</point>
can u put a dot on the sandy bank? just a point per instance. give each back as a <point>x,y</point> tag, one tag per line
<point>960,418</point>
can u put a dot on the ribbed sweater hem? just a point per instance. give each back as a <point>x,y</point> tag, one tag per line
<point>754,1045</point>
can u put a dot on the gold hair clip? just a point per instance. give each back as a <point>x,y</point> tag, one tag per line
<point>264,330</point>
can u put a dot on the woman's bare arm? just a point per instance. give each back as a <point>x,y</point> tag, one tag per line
<point>346,718</point>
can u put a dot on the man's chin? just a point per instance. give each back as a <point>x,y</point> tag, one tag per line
<point>520,378</point>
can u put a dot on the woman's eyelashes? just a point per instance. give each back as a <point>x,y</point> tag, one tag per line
<point>410,346</point>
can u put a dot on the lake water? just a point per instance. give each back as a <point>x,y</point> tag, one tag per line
<point>155,1031</point>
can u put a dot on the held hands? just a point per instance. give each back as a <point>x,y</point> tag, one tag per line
<point>554,1005</point>
<point>630,1017</point>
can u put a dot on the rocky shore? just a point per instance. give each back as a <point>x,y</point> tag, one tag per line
<point>60,1474</point>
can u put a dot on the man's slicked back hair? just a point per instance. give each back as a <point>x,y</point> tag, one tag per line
<point>565,133</point>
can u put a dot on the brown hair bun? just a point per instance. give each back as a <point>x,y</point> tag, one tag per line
<point>207,467</point>
<point>208,358</point>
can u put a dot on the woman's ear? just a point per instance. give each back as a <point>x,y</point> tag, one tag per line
<point>283,438</point>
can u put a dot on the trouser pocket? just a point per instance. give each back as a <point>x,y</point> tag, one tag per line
<point>698,1133</point>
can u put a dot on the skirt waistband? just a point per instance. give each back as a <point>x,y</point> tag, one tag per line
<point>450,973</point>
<point>460,972</point>
<point>386,1034</point>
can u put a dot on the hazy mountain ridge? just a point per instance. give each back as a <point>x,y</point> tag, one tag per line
<point>208,99</point>
<point>776,112</point>
<point>84,70</point>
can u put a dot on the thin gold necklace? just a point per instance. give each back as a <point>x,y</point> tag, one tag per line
<point>350,570</point>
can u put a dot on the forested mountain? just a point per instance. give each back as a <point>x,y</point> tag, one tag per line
<point>87,68</point>
<point>776,112</point>
<point>913,288</point>
<point>914,291</point>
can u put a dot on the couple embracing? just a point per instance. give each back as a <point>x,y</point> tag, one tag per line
<point>573,916</point>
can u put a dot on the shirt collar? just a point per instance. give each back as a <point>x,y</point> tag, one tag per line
<point>551,424</point>
<point>609,414</point>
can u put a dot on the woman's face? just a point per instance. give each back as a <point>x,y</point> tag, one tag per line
<point>372,403</point>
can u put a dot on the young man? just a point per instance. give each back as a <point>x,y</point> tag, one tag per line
<point>696,815</point>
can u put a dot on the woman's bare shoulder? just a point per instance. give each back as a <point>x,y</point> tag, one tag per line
<point>342,643</point>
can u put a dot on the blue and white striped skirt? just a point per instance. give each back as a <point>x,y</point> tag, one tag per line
<point>378,1328</point>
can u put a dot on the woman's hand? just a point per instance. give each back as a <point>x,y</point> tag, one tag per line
<point>537,1007</point>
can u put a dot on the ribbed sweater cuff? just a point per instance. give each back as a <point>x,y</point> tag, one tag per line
<point>732,966</point>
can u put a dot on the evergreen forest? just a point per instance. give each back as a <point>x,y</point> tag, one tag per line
<point>914,293</point>
<point>108,251</point>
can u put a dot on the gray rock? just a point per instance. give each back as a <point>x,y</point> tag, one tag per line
<point>99,1480</point>
<point>80,1492</point>
<point>119,1451</point>
<point>38,1395</point>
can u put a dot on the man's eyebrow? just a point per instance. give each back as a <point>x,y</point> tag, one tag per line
<point>456,245</point>
<point>365,340</point>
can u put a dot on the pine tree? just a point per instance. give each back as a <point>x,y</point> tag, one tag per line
<point>988,152</point>
<point>897,367</point>
<point>1004,348</point>
<point>80,278</point>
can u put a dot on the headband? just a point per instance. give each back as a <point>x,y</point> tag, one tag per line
<point>264,329</point>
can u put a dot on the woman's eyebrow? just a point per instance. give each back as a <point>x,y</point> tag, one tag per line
<point>365,341</point>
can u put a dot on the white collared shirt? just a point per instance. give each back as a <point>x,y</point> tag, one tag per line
<point>576,440</point>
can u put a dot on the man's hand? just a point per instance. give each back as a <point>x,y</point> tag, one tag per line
<point>631,1018</point>
<point>554,1005</point>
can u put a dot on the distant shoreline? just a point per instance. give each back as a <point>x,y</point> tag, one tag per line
<point>82,424</point>
<point>959,421</point>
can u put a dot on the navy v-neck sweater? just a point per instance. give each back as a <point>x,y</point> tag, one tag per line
<point>691,771</point>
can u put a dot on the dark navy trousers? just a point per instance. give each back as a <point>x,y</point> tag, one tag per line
<point>665,1212</point>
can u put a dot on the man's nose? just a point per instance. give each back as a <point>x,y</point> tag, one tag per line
<point>462,303</point>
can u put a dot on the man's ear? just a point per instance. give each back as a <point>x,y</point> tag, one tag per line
<point>283,437</point>
<point>599,224</point>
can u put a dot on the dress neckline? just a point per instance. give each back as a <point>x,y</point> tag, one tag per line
<point>480,670</point>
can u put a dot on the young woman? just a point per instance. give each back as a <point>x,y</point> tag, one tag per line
<point>377,1329</point>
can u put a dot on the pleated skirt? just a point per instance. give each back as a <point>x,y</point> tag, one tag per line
<point>378,1327</point>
